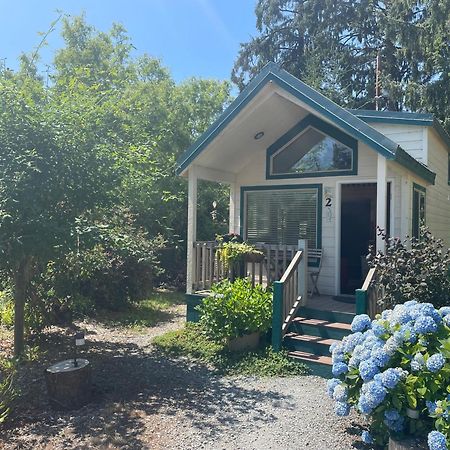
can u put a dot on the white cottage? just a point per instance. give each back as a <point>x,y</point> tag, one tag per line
<point>301,167</point>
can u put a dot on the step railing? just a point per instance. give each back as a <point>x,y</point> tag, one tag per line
<point>288,295</point>
<point>369,299</point>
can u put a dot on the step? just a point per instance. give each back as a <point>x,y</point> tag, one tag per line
<point>307,343</point>
<point>320,327</point>
<point>319,365</point>
<point>332,316</point>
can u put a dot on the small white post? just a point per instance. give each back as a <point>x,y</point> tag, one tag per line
<point>381,199</point>
<point>303,271</point>
<point>232,212</point>
<point>192,228</point>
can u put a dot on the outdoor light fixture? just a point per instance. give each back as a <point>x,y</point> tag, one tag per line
<point>259,135</point>
<point>79,341</point>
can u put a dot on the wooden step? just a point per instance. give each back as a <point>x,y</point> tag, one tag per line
<point>311,339</point>
<point>322,323</point>
<point>308,343</point>
<point>311,358</point>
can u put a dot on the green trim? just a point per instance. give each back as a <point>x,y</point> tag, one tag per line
<point>273,73</point>
<point>406,160</point>
<point>404,118</point>
<point>361,301</point>
<point>280,187</point>
<point>324,127</point>
<point>277,319</point>
<point>415,225</point>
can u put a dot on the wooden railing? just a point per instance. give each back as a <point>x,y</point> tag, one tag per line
<point>287,297</point>
<point>209,269</point>
<point>369,297</point>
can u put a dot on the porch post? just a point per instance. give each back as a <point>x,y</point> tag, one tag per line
<point>381,199</point>
<point>303,271</point>
<point>192,227</point>
<point>232,206</point>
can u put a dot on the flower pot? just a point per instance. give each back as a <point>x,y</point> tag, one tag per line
<point>253,257</point>
<point>412,413</point>
<point>246,342</point>
<point>407,444</point>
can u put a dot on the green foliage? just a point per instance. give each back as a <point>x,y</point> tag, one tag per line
<point>192,341</point>
<point>6,309</point>
<point>236,308</point>
<point>232,252</point>
<point>8,389</point>
<point>332,45</point>
<point>414,269</point>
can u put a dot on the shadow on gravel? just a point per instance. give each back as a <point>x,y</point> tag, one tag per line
<point>132,386</point>
<point>355,430</point>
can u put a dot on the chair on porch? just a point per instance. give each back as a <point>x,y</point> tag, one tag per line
<point>315,256</point>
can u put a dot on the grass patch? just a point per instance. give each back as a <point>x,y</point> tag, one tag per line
<point>193,343</point>
<point>145,313</point>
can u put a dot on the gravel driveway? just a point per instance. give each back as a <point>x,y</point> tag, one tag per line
<point>146,401</point>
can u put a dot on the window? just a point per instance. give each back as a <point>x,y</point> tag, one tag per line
<point>312,148</point>
<point>283,215</point>
<point>418,209</point>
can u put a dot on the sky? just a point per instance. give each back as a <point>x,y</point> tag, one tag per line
<point>192,37</point>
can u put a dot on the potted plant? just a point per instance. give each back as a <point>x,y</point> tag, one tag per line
<point>396,371</point>
<point>237,313</point>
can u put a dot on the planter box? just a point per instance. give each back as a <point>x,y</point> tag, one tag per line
<point>408,444</point>
<point>246,342</point>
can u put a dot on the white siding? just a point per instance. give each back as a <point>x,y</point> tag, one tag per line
<point>254,174</point>
<point>409,137</point>
<point>437,204</point>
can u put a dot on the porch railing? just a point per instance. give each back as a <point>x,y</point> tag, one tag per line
<point>209,269</point>
<point>287,297</point>
<point>369,297</point>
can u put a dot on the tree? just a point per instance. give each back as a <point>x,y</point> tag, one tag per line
<point>333,44</point>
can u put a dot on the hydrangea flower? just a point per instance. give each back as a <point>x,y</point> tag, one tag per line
<point>331,385</point>
<point>368,369</point>
<point>378,328</point>
<point>444,311</point>
<point>337,357</point>
<point>340,393</point>
<point>339,368</point>
<point>435,362</point>
<point>361,322</point>
<point>380,357</point>
<point>392,376</point>
<point>418,362</point>
<point>374,393</point>
<point>437,441</point>
<point>447,320</point>
<point>424,325</point>
<point>341,409</point>
<point>431,406</point>
<point>366,437</point>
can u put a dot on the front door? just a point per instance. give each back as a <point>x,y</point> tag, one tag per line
<point>358,227</point>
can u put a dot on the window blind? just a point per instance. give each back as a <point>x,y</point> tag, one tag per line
<point>282,216</point>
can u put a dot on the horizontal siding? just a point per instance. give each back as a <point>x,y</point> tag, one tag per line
<point>438,196</point>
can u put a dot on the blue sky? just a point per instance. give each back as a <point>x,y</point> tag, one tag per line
<point>192,37</point>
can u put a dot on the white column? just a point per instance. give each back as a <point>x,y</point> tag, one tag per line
<point>405,206</point>
<point>381,199</point>
<point>192,227</point>
<point>303,271</point>
<point>232,206</point>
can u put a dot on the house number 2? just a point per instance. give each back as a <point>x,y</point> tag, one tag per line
<point>328,202</point>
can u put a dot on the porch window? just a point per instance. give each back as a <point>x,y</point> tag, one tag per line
<point>312,148</point>
<point>283,215</point>
<point>418,209</point>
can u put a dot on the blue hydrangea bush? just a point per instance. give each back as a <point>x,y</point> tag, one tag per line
<point>396,371</point>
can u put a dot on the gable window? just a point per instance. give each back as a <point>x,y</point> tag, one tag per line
<point>418,209</point>
<point>283,215</point>
<point>312,148</point>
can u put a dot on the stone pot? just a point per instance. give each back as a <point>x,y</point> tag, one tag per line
<point>243,343</point>
<point>408,444</point>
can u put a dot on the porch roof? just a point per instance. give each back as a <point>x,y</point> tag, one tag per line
<point>273,76</point>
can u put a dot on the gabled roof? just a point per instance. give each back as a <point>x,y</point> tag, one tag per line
<point>404,118</point>
<point>339,116</point>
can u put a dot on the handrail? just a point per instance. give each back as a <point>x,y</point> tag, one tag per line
<point>369,297</point>
<point>286,299</point>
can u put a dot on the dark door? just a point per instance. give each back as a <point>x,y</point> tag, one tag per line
<point>358,219</point>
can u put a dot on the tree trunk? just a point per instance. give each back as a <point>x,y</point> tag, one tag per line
<point>21,282</point>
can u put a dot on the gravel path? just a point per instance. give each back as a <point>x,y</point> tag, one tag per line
<point>146,401</point>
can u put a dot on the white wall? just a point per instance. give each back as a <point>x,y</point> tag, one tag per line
<point>437,203</point>
<point>254,174</point>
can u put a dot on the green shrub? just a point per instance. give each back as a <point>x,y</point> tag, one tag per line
<point>6,309</point>
<point>193,342</point>
<point>413,270</point>
<point>235,309</point>
<point>8,390</point>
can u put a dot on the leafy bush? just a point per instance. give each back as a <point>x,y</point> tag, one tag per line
<point>396,371</point>
<point>235,309</point>
<point>6,308</point>
<point>8,390</point>
<point>193,342</point>
<point>414,269</point>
